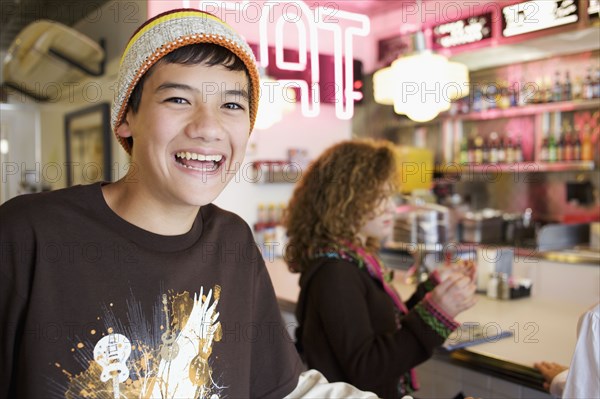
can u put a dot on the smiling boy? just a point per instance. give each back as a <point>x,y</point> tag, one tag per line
<point>142,288</point>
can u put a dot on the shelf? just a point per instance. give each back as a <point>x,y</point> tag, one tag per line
<point>274,172</point>
<point>532,109</point>
<point>519,167</point>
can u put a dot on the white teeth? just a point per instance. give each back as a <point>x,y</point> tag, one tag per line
<point>199,157</point>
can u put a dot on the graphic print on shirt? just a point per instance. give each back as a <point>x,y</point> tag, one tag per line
<point>169,358</point>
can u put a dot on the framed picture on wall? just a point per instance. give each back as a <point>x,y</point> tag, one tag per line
<point>88,149</point>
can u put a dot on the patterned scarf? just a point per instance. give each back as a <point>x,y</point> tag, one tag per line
<point>408,382</point>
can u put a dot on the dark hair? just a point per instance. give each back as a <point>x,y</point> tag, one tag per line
<point>336,195</point>
<point>202,53</point>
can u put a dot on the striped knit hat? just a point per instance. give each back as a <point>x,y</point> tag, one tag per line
<point>168,32</point>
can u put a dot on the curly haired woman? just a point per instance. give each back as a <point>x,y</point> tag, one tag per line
<point>353,325</point>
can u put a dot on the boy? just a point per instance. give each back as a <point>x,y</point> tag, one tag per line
<point>142,288</point>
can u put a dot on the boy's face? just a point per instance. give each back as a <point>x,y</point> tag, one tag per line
<point>190,132</point>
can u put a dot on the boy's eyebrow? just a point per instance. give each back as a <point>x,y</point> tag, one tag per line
<point>243,93</point>
<point>171,85</point>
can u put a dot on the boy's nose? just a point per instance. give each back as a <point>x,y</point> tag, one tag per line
<point>204,125</point>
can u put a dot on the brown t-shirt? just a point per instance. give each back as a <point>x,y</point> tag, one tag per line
<point>91,304</point>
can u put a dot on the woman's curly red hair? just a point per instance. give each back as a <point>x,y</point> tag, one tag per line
<point>337,195</point>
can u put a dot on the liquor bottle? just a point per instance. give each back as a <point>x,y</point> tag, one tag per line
<point>477,100</point>
<point>557,88</point>
<point>464,151</point>
<point>576,147</point>
<point>485,151</point>
<point>501,150</point>
<point>568,150</point>
<point>510,152</point>
<point>471,150</point>
<point>544,150</point>
<point>551,148</point>
<point>493,148</point>
<point>513,94</point>
<point>518,150</point>
<point>549,91</point>
<point>567,88</point>
<point>560,148</point>
<point>478,150</point>
<point>577,89</point>
<point>503,96</point>
<point>596,84</point>
<point>587,153</point>
<point>588,86</point>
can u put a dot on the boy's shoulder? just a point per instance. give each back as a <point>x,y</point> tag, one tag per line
<point>43,204</point>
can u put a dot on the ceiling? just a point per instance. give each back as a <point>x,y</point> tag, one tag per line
<point>16,14</point>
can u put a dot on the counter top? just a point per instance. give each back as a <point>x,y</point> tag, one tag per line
<point>577,255</point>
<point>544,329</point>
<point>572,256</point>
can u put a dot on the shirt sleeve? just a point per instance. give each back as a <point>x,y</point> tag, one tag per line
<point>313,384</point>
<point>423,288</point>
<point>583,380</point>
<point>557,386</point>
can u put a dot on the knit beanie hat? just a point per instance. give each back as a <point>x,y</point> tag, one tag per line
<point>165,33</point>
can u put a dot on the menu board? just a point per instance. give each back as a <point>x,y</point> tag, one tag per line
<point>464,31</point>
<point>536,15</point>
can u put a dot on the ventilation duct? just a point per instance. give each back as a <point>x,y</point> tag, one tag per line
<point>49,53</point>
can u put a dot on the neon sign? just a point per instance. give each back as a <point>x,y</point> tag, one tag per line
<point>309,25</point>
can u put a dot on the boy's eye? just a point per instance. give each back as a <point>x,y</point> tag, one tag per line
<point>177,100</point>
<point>233,106</point>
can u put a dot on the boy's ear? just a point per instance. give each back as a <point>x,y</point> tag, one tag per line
<point>124,130</point>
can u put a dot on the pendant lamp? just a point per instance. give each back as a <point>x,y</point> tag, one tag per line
<point>422,84</point>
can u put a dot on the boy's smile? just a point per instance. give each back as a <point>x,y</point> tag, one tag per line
<point>190,132</point>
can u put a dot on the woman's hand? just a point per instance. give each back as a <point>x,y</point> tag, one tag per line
<point>549,370</point>
<point>455,294</point>
<point>465,267</point>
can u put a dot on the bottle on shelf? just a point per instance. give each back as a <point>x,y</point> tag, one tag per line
<point>588,86</point>
<point>518,150</point>
<point>560,148</point>
<point>493,148</point>
<point>477,99</point>
<point>568,146</point>
<point>557,89</point>
<point>552,155</point>
<point>503,96</point>
<point>587,153</point>
<point>544,150</point>
<point>464,151</point>
<point>502,150</point>
<point>577,88</point>
<point>513,94</point>
<point>567,88</point>
<point>510,151</point>
<point>548,90</point>
<point>485,151</point>
<point>478,150</point>
<point>576,147</point>
<point>596,84</point>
